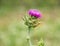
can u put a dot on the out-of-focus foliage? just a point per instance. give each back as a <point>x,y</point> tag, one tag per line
<point>13,31</point>
<point>30,3</point>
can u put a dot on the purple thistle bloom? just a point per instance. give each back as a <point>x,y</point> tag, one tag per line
<point>35,13</point>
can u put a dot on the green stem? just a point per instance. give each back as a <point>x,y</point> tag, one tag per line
<point>28,36</point>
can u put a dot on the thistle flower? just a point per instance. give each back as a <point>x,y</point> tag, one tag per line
<point>32,21</point>
<point>35,13</point>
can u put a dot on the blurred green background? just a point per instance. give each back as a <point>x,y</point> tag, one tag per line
<point>13,31</point>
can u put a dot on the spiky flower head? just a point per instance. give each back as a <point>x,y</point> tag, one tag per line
<point>33,19</point>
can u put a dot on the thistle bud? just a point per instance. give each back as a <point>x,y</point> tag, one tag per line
<point>41,43</point>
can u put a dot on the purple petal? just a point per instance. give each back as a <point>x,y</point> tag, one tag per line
<point>35,13</point>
